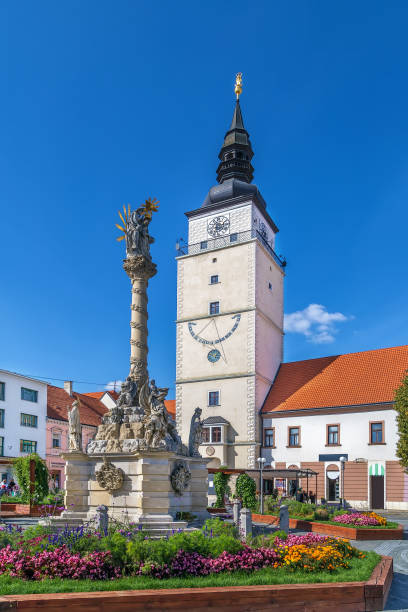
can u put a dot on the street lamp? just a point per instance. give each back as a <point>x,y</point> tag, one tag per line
<point>261,462</point>
<point>342,461</point>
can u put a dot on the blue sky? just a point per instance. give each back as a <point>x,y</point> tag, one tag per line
<point>105,103</point>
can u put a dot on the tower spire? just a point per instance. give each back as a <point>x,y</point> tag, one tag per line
<point>236,152</point>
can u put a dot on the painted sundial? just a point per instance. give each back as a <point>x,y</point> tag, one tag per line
<point>209,335</point>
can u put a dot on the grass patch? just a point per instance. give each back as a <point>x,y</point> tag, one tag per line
<point>360,570</point>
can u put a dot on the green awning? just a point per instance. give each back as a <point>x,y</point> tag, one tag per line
<point>376,469</point>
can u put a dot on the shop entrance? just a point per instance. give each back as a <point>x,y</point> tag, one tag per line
<point>377,492</point>
<point>333,483</point>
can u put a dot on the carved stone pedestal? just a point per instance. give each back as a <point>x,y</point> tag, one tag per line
<point>148,487</point>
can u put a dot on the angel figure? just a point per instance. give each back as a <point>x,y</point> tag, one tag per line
<point>151,399</point>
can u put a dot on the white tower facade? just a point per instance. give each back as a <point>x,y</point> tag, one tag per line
<point>229,310</point>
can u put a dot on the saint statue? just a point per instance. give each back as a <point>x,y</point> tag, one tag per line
<point>196,433</point>
<point>138,239</point>
<point>74,428</point>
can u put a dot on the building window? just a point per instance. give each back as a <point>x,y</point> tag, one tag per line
<point>29,395</point>
<point>377,433</point>
<point>2,418</point>
<point>269,437</point>
<point>270,286</point>
<point>203,244</point>
<point>56,441</point>
<point>214,308</point>
<point>233,237</point>
<point>294,436</point>
<point>1,447</point>
<point>215,434</point>
<point>28,446</point>
<point>333,435</point>
<point>214,279</point>
<point>28,420</point>
<point>213,398</point>
<point>2,391</point>
<point>212,434</point>
<point>214,260</point>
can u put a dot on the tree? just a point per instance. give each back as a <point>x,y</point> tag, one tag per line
<point>401,406</point>
<point>245,488</point>
<point>22,471</point>
<point>221,485</point>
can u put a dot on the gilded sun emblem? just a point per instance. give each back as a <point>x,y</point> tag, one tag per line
<point>124,218</point>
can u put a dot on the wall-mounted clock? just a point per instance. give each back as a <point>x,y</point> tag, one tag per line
<point>219,226</point>
<point>209,335</point>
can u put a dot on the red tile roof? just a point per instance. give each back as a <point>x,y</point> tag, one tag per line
<point>353,379</point>
<point>59,402</point>
<point>91,409</point>
<point>98,394</point>
<point>171,407</point>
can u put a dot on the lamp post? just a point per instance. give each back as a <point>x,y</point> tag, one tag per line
<point>261,463</point>
<point>342,461</point>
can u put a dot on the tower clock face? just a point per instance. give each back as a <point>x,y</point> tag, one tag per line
<point>218,226</point>
<point>213,336</point>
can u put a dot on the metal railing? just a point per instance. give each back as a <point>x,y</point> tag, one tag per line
<point>229,239</point>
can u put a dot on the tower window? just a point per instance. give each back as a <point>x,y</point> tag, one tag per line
<point>213,398</point>
<point>214,260</point>
<point>203,244</point>
<point>233,237</point>
<point>214,308</point>
<point>270,286</point>
<point>214,279</point>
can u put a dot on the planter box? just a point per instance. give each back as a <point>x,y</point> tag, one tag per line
<point>334,597</point>
<point>216,510</point>
<point>25,510</point>
<point>351,533</point>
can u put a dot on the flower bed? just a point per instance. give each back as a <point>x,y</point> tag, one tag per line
<point>392,531</point>
<point>369,593</point>
<point>84,552</point>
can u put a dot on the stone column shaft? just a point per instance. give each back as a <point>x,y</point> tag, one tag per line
<point>139,269</point>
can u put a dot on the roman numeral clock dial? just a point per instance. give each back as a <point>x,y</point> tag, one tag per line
<point>210,336</point>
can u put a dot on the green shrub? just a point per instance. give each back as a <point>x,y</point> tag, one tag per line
<point>299,509</point>
<point>321,514</point>
<point>246,490</point>
<point>165,549</point>
<point>221,485</point>
<point>267,540</point>
<point>216,527</point>
<point>271,504</point>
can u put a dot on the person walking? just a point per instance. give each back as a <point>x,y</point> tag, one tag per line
<point>3,487</point>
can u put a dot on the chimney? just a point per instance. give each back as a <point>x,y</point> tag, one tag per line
<point>68,386</point>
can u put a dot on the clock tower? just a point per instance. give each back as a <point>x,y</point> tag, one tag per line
<point>229,308</point>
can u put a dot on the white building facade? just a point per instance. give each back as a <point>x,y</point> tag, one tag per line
<point>23,411</point>
<point>323,410</point>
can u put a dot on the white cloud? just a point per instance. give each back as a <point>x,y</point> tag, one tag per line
<point>114,385</point>
<point>314,322</point>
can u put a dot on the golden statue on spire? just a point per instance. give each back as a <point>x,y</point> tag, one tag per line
<point>238,85</point>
